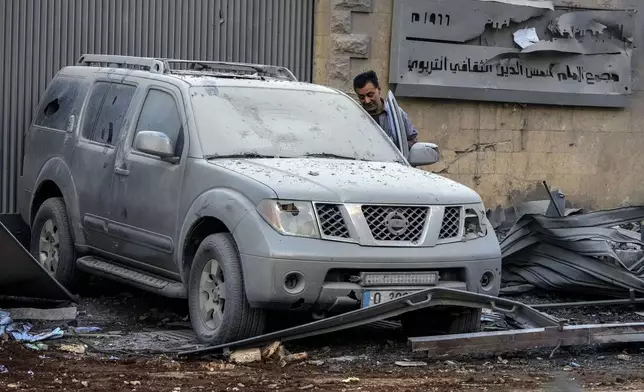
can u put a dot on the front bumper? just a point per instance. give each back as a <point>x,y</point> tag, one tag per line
<point>266,288</point>
<point>269,257</point>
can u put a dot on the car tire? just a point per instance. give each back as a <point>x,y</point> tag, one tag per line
<point>52,244</point>
<point>453,320</point>
<point>216,275</point>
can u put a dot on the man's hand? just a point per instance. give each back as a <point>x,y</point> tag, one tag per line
<point>412,133</point>
<point>412,140</point>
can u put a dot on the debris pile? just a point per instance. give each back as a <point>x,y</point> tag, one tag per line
<point>22,331</point>
<point>571,250</point>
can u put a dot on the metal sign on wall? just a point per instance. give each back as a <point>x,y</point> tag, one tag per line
<point>524,51</point>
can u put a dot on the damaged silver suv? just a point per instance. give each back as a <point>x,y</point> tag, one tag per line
<point>246,192</point>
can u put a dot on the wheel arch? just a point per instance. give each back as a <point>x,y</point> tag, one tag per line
<point>215,211</point>
<point>198,232</point>
<point>55,180</point>
<point>46,190</point>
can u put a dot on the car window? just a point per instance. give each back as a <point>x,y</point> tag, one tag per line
<point>58,103</point>
<point>112,116</point>
<point>94,104</point>
<point>160,114</point>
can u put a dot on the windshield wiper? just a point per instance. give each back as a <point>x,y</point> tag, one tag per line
<point>257,156</point>
<point>233,156</point>
<point>330,156</point>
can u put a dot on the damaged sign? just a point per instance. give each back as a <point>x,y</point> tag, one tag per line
<point>506,50</point>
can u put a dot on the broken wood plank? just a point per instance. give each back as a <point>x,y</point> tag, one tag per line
<point>59,314</point>
<point>499,342</point>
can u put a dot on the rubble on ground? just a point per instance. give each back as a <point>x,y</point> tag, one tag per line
<point>22,331</point>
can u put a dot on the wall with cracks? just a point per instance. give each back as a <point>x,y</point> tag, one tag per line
<point>502,150</point>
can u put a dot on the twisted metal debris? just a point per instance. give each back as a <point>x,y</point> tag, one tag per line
<point>574,253</point>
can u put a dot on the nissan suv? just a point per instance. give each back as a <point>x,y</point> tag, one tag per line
<point>245,192</point>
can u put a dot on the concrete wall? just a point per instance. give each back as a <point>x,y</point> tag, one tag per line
<point>503,151</point>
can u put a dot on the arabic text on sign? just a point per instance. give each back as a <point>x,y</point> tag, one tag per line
<point>575,73</point>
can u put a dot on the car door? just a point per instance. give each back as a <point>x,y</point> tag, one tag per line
<point>146,188</point>
<point>399,124</point>
<point>94,157</point>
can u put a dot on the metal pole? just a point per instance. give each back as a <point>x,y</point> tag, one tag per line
<point>590,303</point>
<point>552,199</point>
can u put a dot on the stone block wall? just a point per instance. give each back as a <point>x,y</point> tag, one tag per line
<point>503,151</point>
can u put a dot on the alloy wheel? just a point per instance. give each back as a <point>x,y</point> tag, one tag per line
<point>212,294</point>
<point>49,246</point>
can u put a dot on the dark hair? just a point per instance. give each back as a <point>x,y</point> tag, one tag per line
<point>362,79</point>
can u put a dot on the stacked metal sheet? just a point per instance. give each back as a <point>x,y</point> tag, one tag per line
<point>581,252</point>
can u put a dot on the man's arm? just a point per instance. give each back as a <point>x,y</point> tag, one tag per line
<point>412,133</point>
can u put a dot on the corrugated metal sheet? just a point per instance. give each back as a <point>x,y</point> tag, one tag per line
<point>38,37</point>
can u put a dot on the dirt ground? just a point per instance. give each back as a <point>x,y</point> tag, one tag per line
<point>135,324</point>
<point>53,370</point>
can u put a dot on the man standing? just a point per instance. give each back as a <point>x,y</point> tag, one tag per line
<point>367,88</point>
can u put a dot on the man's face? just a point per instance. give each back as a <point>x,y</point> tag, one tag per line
<point>369,97</point>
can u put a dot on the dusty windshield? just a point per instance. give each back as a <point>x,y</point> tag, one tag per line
<point>275,122</point>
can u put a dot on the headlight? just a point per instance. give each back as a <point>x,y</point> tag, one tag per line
<point>289,217</point>
<point>474,224</point>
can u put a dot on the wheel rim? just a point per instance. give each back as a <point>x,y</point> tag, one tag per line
<point>49,246</point>
<point>212,294</point>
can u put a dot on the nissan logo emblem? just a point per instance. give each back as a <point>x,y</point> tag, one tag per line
<point>397,223</point>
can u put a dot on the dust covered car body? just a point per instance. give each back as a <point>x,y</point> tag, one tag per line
<point>245,191</point>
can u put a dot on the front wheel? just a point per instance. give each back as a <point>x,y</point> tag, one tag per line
<point>52,244</point>
<point>219,310</point>
<point>452,320</point>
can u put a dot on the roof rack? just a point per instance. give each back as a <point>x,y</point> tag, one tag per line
<point>162,65</point>
<point>111,61</point>
<point>260,70</point>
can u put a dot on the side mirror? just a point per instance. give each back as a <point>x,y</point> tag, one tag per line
<point>154,143</point>
<point>422,154</point>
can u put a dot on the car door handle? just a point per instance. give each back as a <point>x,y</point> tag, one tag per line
<point>122,172</point>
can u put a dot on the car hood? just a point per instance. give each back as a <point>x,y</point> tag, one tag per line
<point>335,180</point>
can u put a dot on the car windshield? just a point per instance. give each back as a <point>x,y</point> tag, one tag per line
<point>250,121</point>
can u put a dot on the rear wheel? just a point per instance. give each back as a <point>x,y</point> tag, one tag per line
<point>52,244</point>
<point>219,310</point>
<point>452,320</point>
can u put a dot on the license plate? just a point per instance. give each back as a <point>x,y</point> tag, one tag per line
<point>377,297</point>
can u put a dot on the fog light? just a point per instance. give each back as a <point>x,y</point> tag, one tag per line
<point>294,283</point>
<point>487,280</point>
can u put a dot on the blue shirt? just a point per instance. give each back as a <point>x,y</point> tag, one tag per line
<point>387,124</point>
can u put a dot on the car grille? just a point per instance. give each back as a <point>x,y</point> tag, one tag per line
<point>379,219</point>
<point>331,221</point>
<point>451,223</point>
